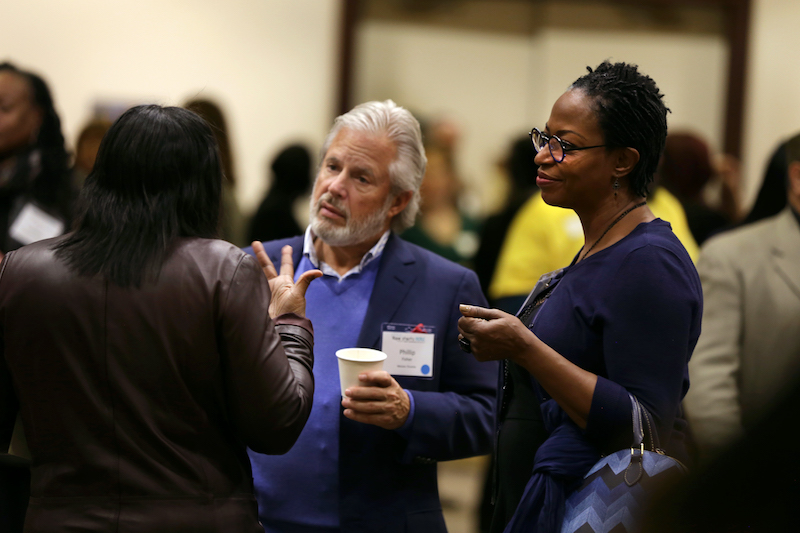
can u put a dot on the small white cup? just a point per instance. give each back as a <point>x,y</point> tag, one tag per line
<point>353,361</point>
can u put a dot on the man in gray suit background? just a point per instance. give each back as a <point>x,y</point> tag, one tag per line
<point>748,353</point>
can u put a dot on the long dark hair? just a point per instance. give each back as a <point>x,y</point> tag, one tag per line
<point>52,185</point>
<point>212,114</point>
<point>157,177</point>
<point>772,196</point>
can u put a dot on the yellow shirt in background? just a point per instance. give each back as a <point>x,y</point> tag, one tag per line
<point>543,238</point>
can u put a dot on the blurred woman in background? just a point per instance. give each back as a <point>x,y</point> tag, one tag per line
<point>233,225</point>
<point>36,194</point>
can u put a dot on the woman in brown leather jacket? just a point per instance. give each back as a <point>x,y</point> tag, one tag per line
<point>142,354</point>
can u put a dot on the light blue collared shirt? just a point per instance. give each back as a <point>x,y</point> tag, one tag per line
<point>311,252</point>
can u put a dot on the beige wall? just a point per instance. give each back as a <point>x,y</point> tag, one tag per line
<point>772,110</point>
<point>271,64</point>
<point>481,81</point>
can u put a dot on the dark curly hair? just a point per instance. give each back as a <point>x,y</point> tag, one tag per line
<point>631,113</point>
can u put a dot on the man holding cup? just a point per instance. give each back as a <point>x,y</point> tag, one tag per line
<point>366,461</point>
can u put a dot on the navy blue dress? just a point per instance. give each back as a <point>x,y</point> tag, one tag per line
<point>631,314</point>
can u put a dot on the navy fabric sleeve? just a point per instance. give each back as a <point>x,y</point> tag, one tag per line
<point>651,309</point>
<point>458,420</point>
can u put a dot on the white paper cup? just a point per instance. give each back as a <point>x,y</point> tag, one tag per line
<point>353,361</point>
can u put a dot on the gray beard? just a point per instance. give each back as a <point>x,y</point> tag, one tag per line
<point>354,231</point>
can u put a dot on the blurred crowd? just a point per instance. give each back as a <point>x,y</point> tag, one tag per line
<point>40,176</point>
<point>39,171</point>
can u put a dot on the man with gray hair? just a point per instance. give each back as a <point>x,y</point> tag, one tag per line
<point>367,461</point>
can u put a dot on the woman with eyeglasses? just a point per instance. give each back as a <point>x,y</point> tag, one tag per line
<point>622,318</point>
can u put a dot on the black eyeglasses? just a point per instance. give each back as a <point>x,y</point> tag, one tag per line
<point>558,148</point>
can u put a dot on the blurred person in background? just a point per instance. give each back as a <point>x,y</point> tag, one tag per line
<point>521,172</point>
<point>233,225</point>
<point>291,178</point>
<point>686,169</point>
<point>86,149</point>
<point>749,350</point>
<point>747,487</point>
<point>143,354</point>
<point>771,198</point>
<point>36,194</point>
<point>442,226</point>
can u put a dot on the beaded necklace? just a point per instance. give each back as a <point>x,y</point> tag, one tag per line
<point>620,217</point>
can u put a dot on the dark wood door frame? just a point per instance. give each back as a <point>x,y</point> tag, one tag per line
<point>737,29</point>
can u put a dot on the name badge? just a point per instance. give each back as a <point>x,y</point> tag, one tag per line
<point>32,224</point>
<point>408,349</point>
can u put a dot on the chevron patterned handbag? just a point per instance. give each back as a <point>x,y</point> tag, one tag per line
<point>616,490</point>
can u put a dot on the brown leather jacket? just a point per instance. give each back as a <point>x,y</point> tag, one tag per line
<point>138,403</point>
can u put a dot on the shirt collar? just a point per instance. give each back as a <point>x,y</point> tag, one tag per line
<point>311,252</point>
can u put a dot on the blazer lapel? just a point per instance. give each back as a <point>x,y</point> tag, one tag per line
<point>786,251</point>
<point>297,252</point>
<point>393,282</point>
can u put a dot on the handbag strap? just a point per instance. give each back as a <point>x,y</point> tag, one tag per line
<point>638,430</point>
<point>643,426</point>
<point>541,291</point>
<point>635,470</point>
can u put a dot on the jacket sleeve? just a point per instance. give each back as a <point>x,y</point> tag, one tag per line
<point>458,420</point>
<point>8,403</point>
<point>267,364</point>
<point>712,403</point>
<point>8,399</point>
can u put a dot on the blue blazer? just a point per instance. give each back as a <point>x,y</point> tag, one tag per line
<point>387,482</point>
